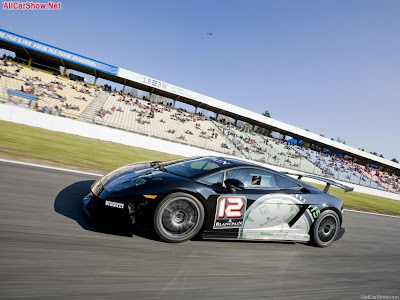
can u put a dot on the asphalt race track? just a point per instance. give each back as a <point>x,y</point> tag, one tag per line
<point>49,250</point>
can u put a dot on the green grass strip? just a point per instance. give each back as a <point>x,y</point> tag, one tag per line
<point>365,202</point>
<point>32,144</point>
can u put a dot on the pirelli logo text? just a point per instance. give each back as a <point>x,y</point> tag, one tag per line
<point>114,204</point>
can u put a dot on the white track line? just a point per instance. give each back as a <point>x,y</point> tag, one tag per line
<point>371,213</point>
<point>48,167</point>
<point>95,174</point>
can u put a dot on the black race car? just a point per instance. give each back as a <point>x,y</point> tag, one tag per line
<point>218,197</point>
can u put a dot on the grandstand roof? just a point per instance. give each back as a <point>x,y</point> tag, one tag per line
<point>69,60</point>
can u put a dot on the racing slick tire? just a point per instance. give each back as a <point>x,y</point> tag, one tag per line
<point>178,217</point>
<point>325,229</point>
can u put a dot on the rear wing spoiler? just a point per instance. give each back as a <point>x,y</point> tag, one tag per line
<point>328,181</point>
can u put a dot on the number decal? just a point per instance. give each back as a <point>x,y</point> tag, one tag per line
<point>229,212</point>
<point>221,208</point>
<point>314,212</point>
<point>233,210</point>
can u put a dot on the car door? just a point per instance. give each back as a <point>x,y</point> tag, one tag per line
<point>264,209</point>
<point>227,208</point>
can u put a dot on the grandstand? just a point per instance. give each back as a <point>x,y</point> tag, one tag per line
<point>56,94</point>
<point>268,150</point>
<point>149,118</point>
<point>59,95</point>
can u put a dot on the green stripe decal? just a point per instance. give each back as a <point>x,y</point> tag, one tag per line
<point>266,234</point>
<point>250,219</point>
<point>288,219</point>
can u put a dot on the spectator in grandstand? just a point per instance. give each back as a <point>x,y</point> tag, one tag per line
<point>224,145</point>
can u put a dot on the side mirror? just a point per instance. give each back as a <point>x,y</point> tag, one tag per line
<point>233,184</point>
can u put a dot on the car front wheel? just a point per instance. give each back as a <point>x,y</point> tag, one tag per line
<point>178,217</point>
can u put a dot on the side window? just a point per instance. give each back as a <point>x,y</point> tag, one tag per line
<point>215,179</point>
<point>284,183</point>
<point>253,178</point>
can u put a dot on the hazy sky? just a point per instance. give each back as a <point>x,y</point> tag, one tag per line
<point>328,66</point>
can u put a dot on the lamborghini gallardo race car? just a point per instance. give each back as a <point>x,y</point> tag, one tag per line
<point>217,198</point>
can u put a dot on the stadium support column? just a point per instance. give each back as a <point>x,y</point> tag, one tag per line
<point>95,79</point>
<point>30,61</point>
<point>64,71</point>
<point>216,116</point>
<point>123,89</point>
<point>236,122</point>
<point>151,94</point>
<point>177,98</point>
<point>195,109</point>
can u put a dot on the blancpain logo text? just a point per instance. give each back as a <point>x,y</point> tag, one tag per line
<point>114,204</point>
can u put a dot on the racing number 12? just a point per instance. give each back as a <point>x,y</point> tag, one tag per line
<point>233,210</point>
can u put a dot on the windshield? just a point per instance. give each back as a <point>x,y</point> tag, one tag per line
<point>192,167</point>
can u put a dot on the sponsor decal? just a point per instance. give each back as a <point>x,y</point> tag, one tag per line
<point>220,161</point>
<point>314,211</point>
<point>140,180</point>
<point>276,217</point>
<point>114,204</point>
<point>59,53</point>
<point>154,82</point>
<point>230,212</point>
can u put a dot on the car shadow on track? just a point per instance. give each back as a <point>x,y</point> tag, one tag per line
<point>69,204</point>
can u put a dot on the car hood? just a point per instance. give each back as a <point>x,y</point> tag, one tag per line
<point>129,176</point>
<point>134,179</point>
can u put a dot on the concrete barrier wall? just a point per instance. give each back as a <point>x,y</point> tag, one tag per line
<point>20,115</point>
<point>28,117</point>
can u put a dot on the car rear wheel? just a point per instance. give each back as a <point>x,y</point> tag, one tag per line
<point>178,217</point>
<point>325,229</point>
